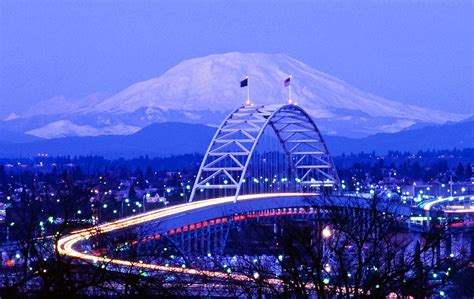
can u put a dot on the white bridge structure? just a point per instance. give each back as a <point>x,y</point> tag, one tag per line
<point>244,170</point>
<point>226,167</point>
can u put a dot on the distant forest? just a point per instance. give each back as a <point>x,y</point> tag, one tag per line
<point>419,165</point>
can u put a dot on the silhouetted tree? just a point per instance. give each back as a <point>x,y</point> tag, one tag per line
<point>132,194</point>
<point>357,249</point>
<point>468,171</point>
<point>459,172</point>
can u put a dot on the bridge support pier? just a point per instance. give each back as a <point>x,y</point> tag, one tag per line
<point>205,240</point>
<point>188,245</point>
<point>214,237</point>
<point>195,241</point>
<point>181,242</point>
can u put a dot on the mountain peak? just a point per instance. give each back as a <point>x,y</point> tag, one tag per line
<point>212,82</point>
<point>205,89</point>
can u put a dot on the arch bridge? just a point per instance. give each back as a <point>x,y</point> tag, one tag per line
<point>226,170</point>
<point>226,167</point>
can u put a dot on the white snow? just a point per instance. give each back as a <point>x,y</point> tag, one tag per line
<point>66,128</point>
<point>396,127</point>
<point>12,116</point>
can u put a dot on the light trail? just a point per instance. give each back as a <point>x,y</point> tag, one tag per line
<point>463,211</point>
<point>65,245</point>
<point>428,205</point>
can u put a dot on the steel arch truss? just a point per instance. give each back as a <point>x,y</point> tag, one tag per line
<point>231,149</point>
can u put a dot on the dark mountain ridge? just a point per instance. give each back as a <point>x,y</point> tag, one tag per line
<point>173,138</point>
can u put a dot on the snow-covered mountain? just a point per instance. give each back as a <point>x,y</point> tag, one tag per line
<point>66,128</point>
<point>204,90</point>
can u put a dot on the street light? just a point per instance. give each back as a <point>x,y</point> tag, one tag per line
<point>326,232</point>
<point>327,268</point>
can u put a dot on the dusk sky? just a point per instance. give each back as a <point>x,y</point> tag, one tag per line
<point>417,52</point>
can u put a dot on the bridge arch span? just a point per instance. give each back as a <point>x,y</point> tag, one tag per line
<point>226,162</point>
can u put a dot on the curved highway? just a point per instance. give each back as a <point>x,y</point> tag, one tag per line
<point>66,245</point>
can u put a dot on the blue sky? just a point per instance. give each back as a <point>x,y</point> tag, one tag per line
<point>418,52</point>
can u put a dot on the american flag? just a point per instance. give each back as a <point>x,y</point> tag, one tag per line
<point>287,81</point>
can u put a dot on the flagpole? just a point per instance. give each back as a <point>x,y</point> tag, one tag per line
<point>289,94</point>
<point>248,91</point>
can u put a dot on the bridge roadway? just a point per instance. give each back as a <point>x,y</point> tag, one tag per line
<point>466,208</point>
<point>163,220</point>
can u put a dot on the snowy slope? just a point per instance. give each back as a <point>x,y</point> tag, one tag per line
<point>65,128</point>
<point>212,82</point>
